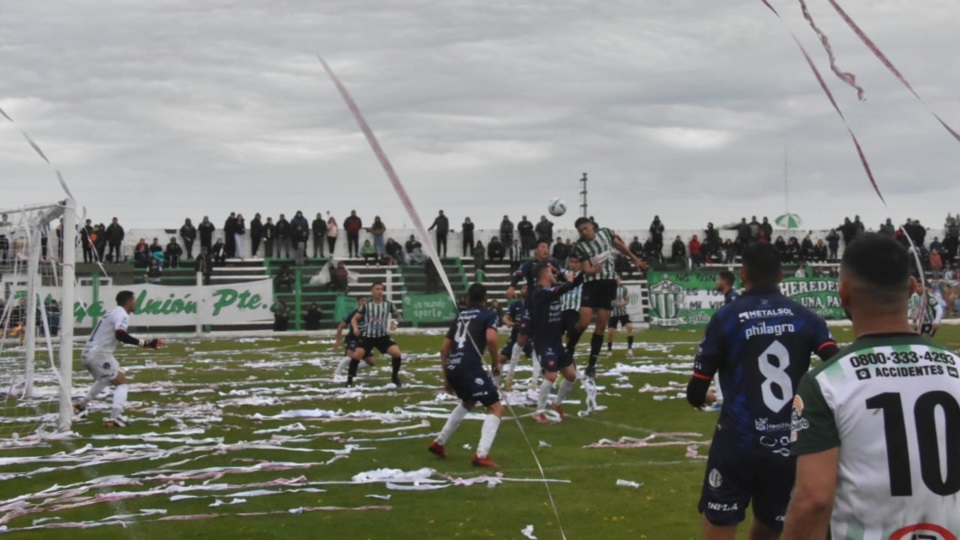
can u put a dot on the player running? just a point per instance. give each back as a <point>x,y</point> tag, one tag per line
<point>352,340</point>
<point>380,317</point>
<point>545,316</point>
<point>925,310</point>
<point>595,251</point>
<point>761,346</point>
<point>515,319</point>
<point>619,317</point>
<point>461,358</point>
<point>98,357</point>
<point>877,428</point>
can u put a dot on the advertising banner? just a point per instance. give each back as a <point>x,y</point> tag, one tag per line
<point>428,308</point>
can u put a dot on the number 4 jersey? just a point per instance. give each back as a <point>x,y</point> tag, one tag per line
<point>761,345</point>
<point>890,403</point>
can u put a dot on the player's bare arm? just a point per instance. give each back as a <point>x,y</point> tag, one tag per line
<point>620,246</point>
<point>808,516</point>
<point>355,323</point>
<point>340,328</point>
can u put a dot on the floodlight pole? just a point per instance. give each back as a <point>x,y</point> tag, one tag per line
<point>583,195</point>
<point>67,299</point>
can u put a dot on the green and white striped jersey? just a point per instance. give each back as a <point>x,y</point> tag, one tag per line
<point>932,311</point>
<point>599,251</point>
<point>377,318</point>
<point>622,296</point>
<point>890,404</point>
<point>571,300</point>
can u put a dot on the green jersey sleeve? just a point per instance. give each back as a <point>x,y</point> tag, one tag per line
<point>814,425</point>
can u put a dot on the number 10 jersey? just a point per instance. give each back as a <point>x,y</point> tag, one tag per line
<point>890,403</point>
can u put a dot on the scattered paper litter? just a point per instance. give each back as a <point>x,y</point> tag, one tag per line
<point>528,532</point>
<point>628,483</point>
<point>544,444</point>
<point>381,497</point>
<point>218,502</point>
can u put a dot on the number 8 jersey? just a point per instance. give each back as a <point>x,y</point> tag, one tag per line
<point>890,403</point>
<point>761,345</point>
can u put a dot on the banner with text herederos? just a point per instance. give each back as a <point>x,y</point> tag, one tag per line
<point>689,299</point>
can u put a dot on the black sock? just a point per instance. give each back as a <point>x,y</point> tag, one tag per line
<point>352,371</point>
<point>596,344</point>
<point>572,340</point>
<point>629,342</point>
<point>396,366</point>
<point>610,346</point>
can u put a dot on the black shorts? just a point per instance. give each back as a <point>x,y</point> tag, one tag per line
<point>735,478</point>
<point>553,358</point>
<point>569,320</point>
<point>525,326</point>
<point>599,294</point>
<point>473,386</point>
<point>368,344</point>
<point>352,345</point>
<point>927,330</point>
<point>617,322</point>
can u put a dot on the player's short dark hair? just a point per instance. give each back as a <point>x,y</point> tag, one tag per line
<point>761,263</point>
<point>124,296</point>
<point>540,268</point>
<point>375,283</point>
<point>880,264</point>
<point>727,277</point>
<point>477,294</point>
<point>581,221</point>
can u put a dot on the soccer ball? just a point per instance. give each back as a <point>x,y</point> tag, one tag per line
<point>557,207</point>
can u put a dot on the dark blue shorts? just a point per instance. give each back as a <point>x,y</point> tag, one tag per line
<point>737,477</point>
<point>508,349</point>
<point>352,345</point>
<point>473,386</point>
<point>553,358</point>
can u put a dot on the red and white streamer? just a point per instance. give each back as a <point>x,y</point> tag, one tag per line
<point>844,76</point>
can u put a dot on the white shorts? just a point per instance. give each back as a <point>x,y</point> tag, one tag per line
<point>101,366</point>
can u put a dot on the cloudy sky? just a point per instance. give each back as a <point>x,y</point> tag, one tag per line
<point>162,109</point>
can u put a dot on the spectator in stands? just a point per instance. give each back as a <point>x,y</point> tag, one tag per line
<point>141,253</point>
<point>332,232</point>
<point>516,255</point>
<point>229,233</point>
<point>432,276</point>
<point>86,242</point>
<point>442,224</point>
<point>544,230</point>
<point>656,233</point>
<point>695,250</point>
<point>339,277</point>
<point>268,236</point>
<point>480,258</point>
<point>155,246</point>
<point>413,244</point>
<point>951,244</point>
<point>793,253</point>
<point>711,235</point>
<point>205,231</point>
<point>203,265</point>
<point>395,251</point>
<point>282,241</point>
<point>369,253</point>
<point>239,233</point>
<point>467,241</point>
<point>560,250</point>
<point>936,263</point>
<point>319,228</point>
<point>743,231</point>
<point>806,248</point>
<point>352,226</point>
<point>887,228</point>
<point>299,234</point>
<point>173,253</point>
<point>154,272</point>
<point>678,252</point>
<point>781,246</point>
<point>651,253</point>
<point>284,279</point>
<point>848,231</point>
<point>256,234</point>
<point>281,316</point>
<point>766,228</point>
<point>496,250</point>
<point>506,232</point>
<point>100,242</point>
<point>833,243</point>
<point>858,225</point>
<point>312,316</point>
<point>115,234</point>
<point>377,230</point>
<point>528,240</point>
<point>189,234</point>
<point>820,251</point>
<point>219,253</point>
<point>754,230</point>
<point>936,245</point>
<point>636,247</point>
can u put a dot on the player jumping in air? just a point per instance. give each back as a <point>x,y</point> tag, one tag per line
<point>761,346</point>
<point>98,358</point>
<point>570,304</point>
<point>352,340</point>
<point>376,315</point>
<point>595,251</point>
<point>547,333</point>
<point>619,317</point>
<point>461,358</point>
<point>876,427</point>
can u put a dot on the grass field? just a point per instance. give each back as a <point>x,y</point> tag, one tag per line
<point>202,405</point>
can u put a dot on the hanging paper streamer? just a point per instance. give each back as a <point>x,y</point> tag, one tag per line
<point>844,76</point>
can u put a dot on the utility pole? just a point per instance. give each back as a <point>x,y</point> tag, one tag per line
<point>583,195</point>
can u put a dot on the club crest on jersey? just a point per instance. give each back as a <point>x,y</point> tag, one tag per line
<point>797,421</point>
<point>715,479</point>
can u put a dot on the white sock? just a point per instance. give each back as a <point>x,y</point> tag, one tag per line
<point>489,432</point>
<point>452,424</point>
<point>536,368</point>
<point>344,364</point>
<point>94,391</point>
<point>565,388</point>
<point>514,358</point>
<point>545,387</point>
<point>119,400</point>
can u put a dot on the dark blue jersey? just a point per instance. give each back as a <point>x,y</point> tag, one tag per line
<point>730,296</point>
<point>545,313</point>
<point>528,272</point>
<point>469,335</point>
<point>761,346</point>
<point>349,322</point>
<point>517,311</point>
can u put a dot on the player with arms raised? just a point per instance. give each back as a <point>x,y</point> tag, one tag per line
<point>461,358</point>
<point>380,317</point>
<point>761,346</point>
<point>877,428</point>
<point>98,358</point>
<point>595,251</point>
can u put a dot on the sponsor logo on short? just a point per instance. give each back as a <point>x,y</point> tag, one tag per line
<point>720,507</point>
<point>715,478</point>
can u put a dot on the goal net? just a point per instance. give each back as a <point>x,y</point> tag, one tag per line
<point>35,390</point>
